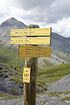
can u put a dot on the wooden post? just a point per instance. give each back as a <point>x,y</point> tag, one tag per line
<point>26,94</point>
<point>30,88</point>
<point>33,81</point>
<point>27,87</point>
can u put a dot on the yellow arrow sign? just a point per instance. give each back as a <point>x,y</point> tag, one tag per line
<point>30,40</point>
<point>31,32</point>
<point>34,51</point>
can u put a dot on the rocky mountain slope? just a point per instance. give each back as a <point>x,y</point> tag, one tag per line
<point>60,43</point>
<point>9,24</point>
<point>7,84</point>
<point>61,85</point>
<point>6,26</point>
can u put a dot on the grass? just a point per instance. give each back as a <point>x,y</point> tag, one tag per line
<point>9,56</point>
<point>64,95</point>
<point>53,73</point>
<point>45,76</point>
<point>6,96</point>
<point>58,93</point>
<point>67,98</point>
<point>16,79</point>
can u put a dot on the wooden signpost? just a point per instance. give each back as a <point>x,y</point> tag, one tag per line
<point>30,40</point>
<point>34,51</point>
<point>33,43</point>
<point>31,32</point>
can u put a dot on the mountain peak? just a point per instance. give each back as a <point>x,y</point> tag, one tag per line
<point>12,19</point>
<point>12,23</point>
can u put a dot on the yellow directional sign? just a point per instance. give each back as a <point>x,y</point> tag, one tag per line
<point>31,32</point>
<point>34,51</point>
<point>30,40</point>
<point>26,75</point>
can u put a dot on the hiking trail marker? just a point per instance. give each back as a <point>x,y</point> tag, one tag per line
<point>32,43</point>
<point>26,75</point>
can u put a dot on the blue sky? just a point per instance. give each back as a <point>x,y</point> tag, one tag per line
<point>45,13</point>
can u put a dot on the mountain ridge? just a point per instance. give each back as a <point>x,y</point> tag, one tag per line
<point>12,22</point>
<point>58,42</point>
<point>61,43</point>
<point>9,24</point>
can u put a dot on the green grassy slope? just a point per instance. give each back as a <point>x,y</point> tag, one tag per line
<point>45,76</point>
<point>6,96</point>
<point>53,73</point>
<point>9,56</point>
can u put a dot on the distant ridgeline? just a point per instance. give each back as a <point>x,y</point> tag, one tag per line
<point>58,42</point>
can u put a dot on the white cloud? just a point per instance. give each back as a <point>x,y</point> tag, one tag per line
<point>62,27</point>
<point>5,6</point>
<point>53,13</point>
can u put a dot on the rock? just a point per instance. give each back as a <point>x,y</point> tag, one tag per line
<point>61,85</point>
